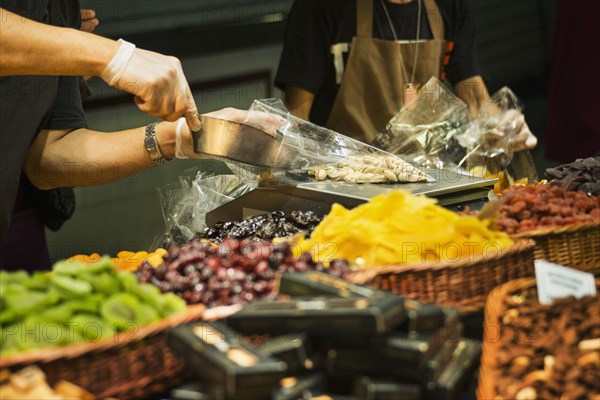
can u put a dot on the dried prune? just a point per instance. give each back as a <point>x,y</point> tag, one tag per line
<point>267,226</point>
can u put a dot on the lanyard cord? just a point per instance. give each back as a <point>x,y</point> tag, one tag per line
<point>418,35</point>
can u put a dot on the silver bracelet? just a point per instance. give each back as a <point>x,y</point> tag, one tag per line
<point>152,145</point>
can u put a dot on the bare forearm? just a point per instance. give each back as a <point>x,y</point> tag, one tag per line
<point>85,157</point>
<point>473,92</point>
<point>33,48</point>
<point>299,102</point>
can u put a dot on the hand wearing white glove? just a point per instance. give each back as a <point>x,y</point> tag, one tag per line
<point>157,81</point>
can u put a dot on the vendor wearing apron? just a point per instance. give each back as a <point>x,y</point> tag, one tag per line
<point>391,47</point>
<point>382,75</point>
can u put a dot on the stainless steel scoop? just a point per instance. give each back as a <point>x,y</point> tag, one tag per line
<point>239,142</point>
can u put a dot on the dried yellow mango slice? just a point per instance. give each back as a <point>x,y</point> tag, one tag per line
<point>400,228</point>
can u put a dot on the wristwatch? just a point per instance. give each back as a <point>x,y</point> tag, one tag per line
<point>152,145</point>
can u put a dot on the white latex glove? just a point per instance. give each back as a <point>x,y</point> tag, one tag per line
<point>513,124</point>
<point>157,81</point>
<point>184,147</point>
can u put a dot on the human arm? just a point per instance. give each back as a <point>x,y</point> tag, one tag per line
<point>305,56</point>
<point>83,157</point>
<point>298,101</point>
<point>473,92</point>
<point>157,81</point>
<point>34,48</point>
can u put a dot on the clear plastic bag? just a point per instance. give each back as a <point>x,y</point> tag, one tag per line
<point>423,131</point>
<point>186,202</point>
<point>306,147</point>
<point>435,130</point>
<point>492,142</point>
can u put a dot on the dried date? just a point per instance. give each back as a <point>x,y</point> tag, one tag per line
<point>539,206</point>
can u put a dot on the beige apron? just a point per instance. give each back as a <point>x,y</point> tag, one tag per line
<point>372,88</point>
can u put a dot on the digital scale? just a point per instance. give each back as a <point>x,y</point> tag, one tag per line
<point>452,190</point>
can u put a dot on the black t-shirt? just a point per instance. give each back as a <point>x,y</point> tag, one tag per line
<point>29,104</point>
<point>313,26</point>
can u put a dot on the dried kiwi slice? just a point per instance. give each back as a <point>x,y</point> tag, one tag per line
<point>13,276</point>
<point>90,327</point>
<point>149,294</point>
<point>106,283</point>
<point>9,341</point>
<point>70,287</point>
<point>89,304</point>
<point>36,332</point>
<point>146,314</point>
<point>69,336</point>
<point>127,279</point>
<point>172,304</point>
<point>69,268</point>
<point>10,315</point>
<point>37,281</point>
<point>30,300</point>
<point>104,264</point>
<point>119,310</point>
<point>59,313</point>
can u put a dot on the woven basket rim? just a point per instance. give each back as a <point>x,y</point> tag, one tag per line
<point>193,312</point>
<point>366,274</point>
<point>582,226</point>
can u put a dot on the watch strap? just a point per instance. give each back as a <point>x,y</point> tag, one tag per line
<point>151,145</point>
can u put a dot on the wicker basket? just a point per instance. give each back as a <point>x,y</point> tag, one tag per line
<point>494,309</point>
<point>573,245</point>
<point>463,284</point>
<point>134,364</point>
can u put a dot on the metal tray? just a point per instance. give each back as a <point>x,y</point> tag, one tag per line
<point>239,142</point>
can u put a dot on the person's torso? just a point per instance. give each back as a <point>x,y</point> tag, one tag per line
<point>341,20</point>
<point>26,101</point>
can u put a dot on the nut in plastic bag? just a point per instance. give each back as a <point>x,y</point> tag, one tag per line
<point>315,152</point>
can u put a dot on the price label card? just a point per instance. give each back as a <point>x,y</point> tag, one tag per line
<point>555,281</point>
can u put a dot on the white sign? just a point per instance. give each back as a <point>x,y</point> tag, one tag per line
<point>555,281</point>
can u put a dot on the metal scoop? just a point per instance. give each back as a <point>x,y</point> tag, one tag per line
<point>239,142</point>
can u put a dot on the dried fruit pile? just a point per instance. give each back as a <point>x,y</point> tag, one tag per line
<point>125,260</point>
<point>30,383</point>
<point>537,206</point>
<point>75,303</point>
<point>581,175</point>
<point>400,228</point>
<point>549,352</point>
<point>276,224</point>
<point>233,272</point>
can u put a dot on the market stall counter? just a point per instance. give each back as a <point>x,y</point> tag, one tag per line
<point>451,188</point>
